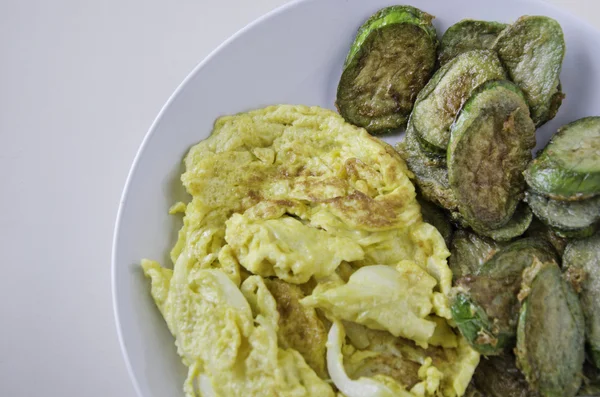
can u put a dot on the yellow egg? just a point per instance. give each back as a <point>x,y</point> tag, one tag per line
<point>298,219</point>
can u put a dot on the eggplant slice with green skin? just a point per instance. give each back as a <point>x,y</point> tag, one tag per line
<point>516,226</point>
<point>532,50</point>
<point>390,61</point>
<point>540,230</point>
<point>468,252</point>
<point>467,35</point>
<point>490,146</point>
<point>569,166</point>
<point>431,174</point>
<point>550,334</point>
<point>584,256</point>
<point>517,256</point>
<point>476,326</point>
<point>485,306</point>
<point>498,376</point>
<point>438,103</point>
<point>577,234</point>
<point>566,217</point>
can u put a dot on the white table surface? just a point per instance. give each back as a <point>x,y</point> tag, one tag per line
<point>80,83</point>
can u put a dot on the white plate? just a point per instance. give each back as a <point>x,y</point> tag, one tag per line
<point>292,55</point>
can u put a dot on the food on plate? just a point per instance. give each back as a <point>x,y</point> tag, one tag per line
<point>490,146</point>
<point>297,221</point>
<point>569,166</point>
<point>582,257</point>
<point>430,174</point>
<point>550,334</point>
<point>438,103</point>
<point>226,334</point>
<point>309,264</point>
<point>485,305</point>
<point>509,291</point>
<point>493,136</point>
<point>299,326</point>
<point>469,251</point>
<point>498,376</point>
<point>447,370</point>
<point>390,61</point>
<point>516,226</point>
<point>437,218</point>
<point>532,50</point>
<point>267,245</point>
<point>540,230</point>
<point>468,35</point>
<point>378,385</point>
<point>383,297</point>
<point>574,218</point>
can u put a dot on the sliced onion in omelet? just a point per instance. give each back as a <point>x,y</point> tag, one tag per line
<point>435,371</point>
<point>382,297</point>
<point>297,221</point>
<point>362,387</point>
<point>440,371</point>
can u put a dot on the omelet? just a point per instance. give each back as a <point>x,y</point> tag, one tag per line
<point>301,227</point>
<point>300,327</point>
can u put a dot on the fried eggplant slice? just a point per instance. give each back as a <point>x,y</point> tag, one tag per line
<point>517,256</point>
<point>490,146</point>
<point>485,306</point>
<point>299,327</point>
<point>569,166</point>
<point>516,226</point>
<point>538,229</point>
<point>532,50</point>
<point>438,103</point>
<point>550,334</point>
<point>431,175</point>
<point>428,157</point>
<point>390,61</point>
<point>436,217</point>
<point>498,376</point>
<point>577,234</point>
<point>468,252</point>
<point>468,35</point>
<point>476,326</point>
<point>571,217</point>
<point>583,257</point>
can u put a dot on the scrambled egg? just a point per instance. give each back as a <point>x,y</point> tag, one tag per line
<point>300,327</point>
<point>304,268</point>
<point>373,292</point>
